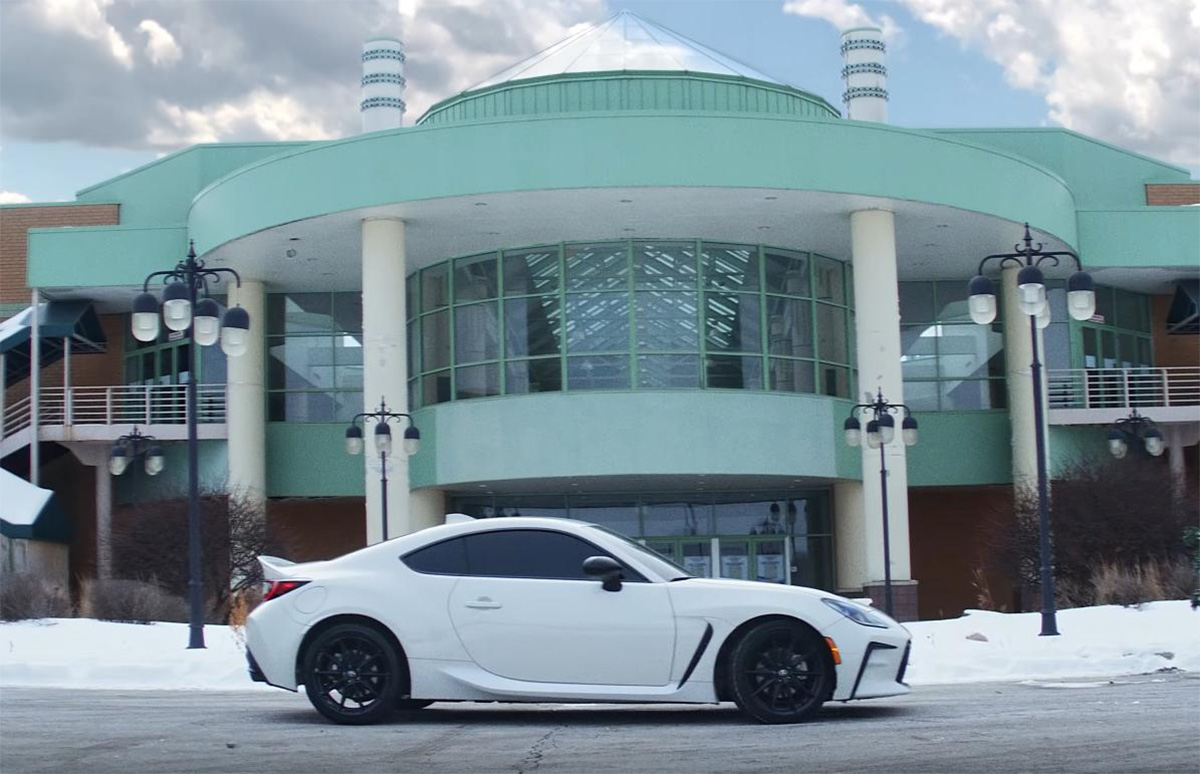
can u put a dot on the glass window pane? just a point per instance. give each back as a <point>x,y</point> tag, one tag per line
<point>347,312</point>
<point>921,396</point>
<point>435,341</point>
<point>1057,340</point>
<point>597,322</point>
<point>300,362</point>
<point>1131,311</point>
<point>476,333</point>
<point>410,296</point>
<point>969,395</point>
<point>732,322</point>
<point>918,347</point>
<point>1056,297</point>
<point>667,320</point>
<point>832,341</point>
<point>1104,305</point>
<point>812,562</point>
<point>952,302</point>
<point>435,388</point>
<point>969,351</point>
<point>477,381</point>
<point>446,558</point>
<point>835,380</point>
<point>299,313</point>
<point>669,371</point>
<point>916,302</point>
<point>808,516</point>
<point>435,287</point>
<point>598,372</point>
<point>787,272</point>
<point>664,265</point>
<point>733,372</point>
<point>616,512</point>
<point>730,267</point>
<point>543,506</point>
<point>792,376</point>
<point>676,518</point>
<point>348,362</point>
<point>475,278</point>
<point>745,518</point>
<point>532,326</point>
<point>346,405</point>
<point>596,267</point>
<point>213,365</point>
<point>413,330</point>
<point>529,554</point>
<point>306,407</point>
<point>790,323</point>
<point>831,285</point>
<point>526,376</point>
<point>531,271</point>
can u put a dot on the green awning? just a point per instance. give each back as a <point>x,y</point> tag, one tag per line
<point>59,321</point>
<point>1184,314</point>
<point>29,512</point>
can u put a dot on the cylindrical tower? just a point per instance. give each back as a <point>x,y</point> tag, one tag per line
<point>865,76</point>
<point>382,84</point>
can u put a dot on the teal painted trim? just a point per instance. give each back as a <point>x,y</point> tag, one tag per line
<point>627,90</point>
<point>1083,138</point>
<point>135,486</point>
<point>551,435</point>
<point>943,457</point>
<point>422,466</point>
<point>1142,236</point>
<point>31,205</point>
<point>98,256</point>
<point>170,157</point>
<point>1069,445</point>
<point>629,150</point>
<point>848,459</point>
<point>310,460</point>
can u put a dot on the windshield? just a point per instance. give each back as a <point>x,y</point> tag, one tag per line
<point>660,563</point>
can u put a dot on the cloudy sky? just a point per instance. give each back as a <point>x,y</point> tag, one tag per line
<point>92,88</point>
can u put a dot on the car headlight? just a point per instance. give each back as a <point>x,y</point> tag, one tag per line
<point>859,615</point>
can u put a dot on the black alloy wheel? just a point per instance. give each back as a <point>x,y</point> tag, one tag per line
<point>352,674</point>
<point>781,672</point>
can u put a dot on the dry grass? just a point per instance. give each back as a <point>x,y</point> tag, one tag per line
<point>130,601</point>
<point>24,596</point>
<point>1115,584</point>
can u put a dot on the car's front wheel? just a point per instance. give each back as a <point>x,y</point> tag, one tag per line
<point>352,674</point>
<point>780,672</point>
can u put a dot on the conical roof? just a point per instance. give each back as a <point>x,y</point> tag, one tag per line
<point>625,42</point>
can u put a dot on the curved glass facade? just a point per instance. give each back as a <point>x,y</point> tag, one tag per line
<point>630,314</point>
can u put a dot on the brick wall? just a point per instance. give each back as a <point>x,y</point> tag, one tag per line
<point>1172,194</point>
<point>1181,350</point>
<point>15,223</point>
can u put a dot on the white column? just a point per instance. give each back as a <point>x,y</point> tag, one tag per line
<point>35,389</point>
<point>68,409</point>
<point>877,332</point>
<point>385,369</point>
<point>1018,360</point>
<point>427,508</point>
<point>103,520</point>
<point>245,402</point>
<point>850,539</point>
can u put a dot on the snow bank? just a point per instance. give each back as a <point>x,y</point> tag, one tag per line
<point>980,646</point>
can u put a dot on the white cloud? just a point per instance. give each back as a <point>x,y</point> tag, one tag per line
<point>845,15</point>
<point>1124,72</point>
<point>259,114</point>
<point>12,197</point>
<point>86,18</point>
<point>161,47</point>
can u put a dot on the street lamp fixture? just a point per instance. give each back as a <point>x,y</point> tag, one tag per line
<point>129,446</point>
<point>881,430</point>
<point>1081,305</point>
<point>1135,428</point>
<point>383,443</point>
<point>185,304</point>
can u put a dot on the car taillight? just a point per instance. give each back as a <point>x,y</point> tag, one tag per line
<point>279,588</point>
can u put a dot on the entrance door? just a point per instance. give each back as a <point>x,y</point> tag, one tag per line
<point>764,558</point>
<point>695,555</point>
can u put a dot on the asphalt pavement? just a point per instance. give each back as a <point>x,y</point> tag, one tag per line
<point>1147,723</point>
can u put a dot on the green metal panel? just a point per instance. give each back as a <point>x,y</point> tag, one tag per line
<point>310,460</point>
<point>961,448</point>
<point>1142,236</point>
<point>135,486</point>
<point>626,90</point>
<point>1070,445</point>
<point>93,256</point>
<point>1099,174</point>
<point>629,150</point>
<point>624,433</point>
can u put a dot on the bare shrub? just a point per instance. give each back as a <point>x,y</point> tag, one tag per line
<point>130,601</point>
<point>24,596</point>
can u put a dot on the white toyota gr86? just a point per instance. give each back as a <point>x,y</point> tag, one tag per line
<point>539,609</point>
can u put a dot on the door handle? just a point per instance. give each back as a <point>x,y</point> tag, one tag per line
<point>484,603</point>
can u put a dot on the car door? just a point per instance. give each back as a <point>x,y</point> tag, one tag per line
<point>526,611</point>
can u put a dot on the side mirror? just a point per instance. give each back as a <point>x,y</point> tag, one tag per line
<point>605,568</point>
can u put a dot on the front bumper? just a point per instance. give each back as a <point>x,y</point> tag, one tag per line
<point>881,672</point>
<point>873,660</point>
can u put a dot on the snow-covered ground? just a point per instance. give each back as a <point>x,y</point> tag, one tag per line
<point>980,646</point>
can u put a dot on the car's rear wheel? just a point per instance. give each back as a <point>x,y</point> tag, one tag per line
<point>352,674</point>
<point>780,672</point>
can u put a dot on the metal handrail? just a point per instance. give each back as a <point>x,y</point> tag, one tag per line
<point>1086,388</point>
<point>139,404</point>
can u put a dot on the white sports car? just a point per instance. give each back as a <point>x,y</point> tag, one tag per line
<point>535,610</point>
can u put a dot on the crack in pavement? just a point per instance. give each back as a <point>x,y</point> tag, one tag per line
<point>537,751</point>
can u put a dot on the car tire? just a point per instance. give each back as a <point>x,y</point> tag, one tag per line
<point>353,674</point>
<point>780,672</point>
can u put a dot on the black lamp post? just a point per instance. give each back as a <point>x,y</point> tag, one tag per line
<point>881,429</point>
<point>383,444</point>
<point>183,309</point>
<point>1081,304</point>
<point>1135,429</point>
<point>126,448</point>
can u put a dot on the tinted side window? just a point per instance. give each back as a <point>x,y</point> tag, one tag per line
<point>446,558</point>
<point>532,554</point>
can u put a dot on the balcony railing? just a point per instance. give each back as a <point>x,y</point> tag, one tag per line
<point>150,404</point>
<point>1105,393</point>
